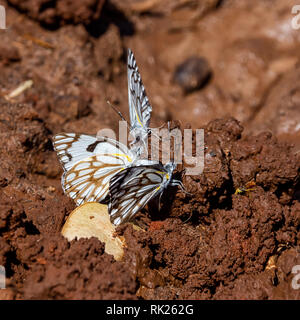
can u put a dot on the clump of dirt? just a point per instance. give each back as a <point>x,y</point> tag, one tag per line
<point>32,215</point>
<point>75,270</point>
<point>235,234</point>
<point>59,12</point>
<point>221,237</point>
<point>208,239</point>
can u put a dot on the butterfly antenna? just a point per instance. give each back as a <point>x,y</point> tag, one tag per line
<point>117,111</point>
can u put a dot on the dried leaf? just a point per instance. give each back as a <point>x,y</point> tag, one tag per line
<point>92,220</point>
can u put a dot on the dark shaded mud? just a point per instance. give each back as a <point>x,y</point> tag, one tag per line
<point>236,234</point>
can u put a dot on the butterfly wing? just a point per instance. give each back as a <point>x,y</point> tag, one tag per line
<point>132,188</point>
<point>139,106</point>
<point>89,163</point>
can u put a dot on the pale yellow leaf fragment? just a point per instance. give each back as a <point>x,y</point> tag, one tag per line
<point>92,220</point>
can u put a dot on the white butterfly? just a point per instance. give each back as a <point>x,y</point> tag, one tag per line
<point>139,106</point>
<point>90,162</point>
<point>132,188</point>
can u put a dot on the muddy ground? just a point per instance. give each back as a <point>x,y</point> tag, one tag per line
<point>230,67</point>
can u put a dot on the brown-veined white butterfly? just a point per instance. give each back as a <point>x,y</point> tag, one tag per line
<point>90,162</point>
<point>139,106</point>
<point>132,188</point>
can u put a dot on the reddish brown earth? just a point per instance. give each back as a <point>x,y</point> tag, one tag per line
<point>213,243</point>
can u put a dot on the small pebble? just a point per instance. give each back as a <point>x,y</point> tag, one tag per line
<point>192,74</point>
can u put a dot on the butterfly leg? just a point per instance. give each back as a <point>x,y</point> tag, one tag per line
<point>150,131</point>
<point>159,201</point>
<point>178,183</point>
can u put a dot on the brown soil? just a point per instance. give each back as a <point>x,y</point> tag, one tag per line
<point>213,243</point>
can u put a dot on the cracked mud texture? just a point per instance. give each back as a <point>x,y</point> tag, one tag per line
<point>214,243</point>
